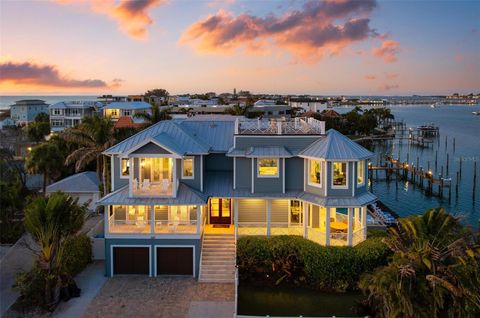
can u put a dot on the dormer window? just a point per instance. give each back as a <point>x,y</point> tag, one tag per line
<point>340,175</point>
<point>360,173</point>
<point>315,173</point>
<point>124,167</point>
<point>267,168</point>
<point>187,168</point>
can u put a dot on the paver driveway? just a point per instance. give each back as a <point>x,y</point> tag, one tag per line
<point>135,296</point>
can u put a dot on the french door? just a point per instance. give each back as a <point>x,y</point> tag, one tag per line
<point>220,211</point>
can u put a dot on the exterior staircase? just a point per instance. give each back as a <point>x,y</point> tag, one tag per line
<point>218,258</point>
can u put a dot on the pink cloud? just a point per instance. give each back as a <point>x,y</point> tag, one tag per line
<point>132,17</point>
<point>387,51</point>
<point>388,87</point>
<point>370,77</point>
<point>45,75</point>
<point>318,29</point>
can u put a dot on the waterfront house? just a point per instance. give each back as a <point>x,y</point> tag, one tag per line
<point>184,190</point>
<point>115,110</point>
<point>71,113</point>
<point>24,111</point>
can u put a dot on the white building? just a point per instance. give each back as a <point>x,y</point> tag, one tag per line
<point>71,113</point>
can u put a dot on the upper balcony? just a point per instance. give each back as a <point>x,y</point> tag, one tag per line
<point>153,177</point>
<point>290,126</point>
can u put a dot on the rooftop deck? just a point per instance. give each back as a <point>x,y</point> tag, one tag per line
<point>290,126</point>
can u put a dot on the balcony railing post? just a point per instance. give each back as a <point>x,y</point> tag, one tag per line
<point>305,220</point>
<point>327,227</point>
<point>350,227</point>
<point>363,211</point>
<point>152,219</point>
<point>199,214</point>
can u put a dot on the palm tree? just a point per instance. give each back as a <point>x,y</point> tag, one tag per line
<point>238,110</point>
<point>155,115</point>
<point>45,159</point>
<point>434,272</point>
<point>93,136</point>
<point>51,221</point>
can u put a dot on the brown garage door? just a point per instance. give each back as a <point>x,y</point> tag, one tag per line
<point>131,260</point>
<point>174,261</point>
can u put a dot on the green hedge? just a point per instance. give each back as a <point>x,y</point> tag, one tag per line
<point>293,260</point>
<point>78,253</point>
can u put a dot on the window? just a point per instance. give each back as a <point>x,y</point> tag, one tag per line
<point>57,123</point>
<point>340,175</point>
<point>314,172</point>
<point>187,168</point>
<point>361,172</point>
<point>56,111</point>
<point>124,167</point>
<point>127,112</point>
<point>267,168</point>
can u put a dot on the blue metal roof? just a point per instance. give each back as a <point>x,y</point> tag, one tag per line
<point>261,152</point>
<point>335,146</point>
<point>127,105</point>
<point>81,182</point>
<point>218,134</point>
<point>185,196</point>
<point>339,202</point>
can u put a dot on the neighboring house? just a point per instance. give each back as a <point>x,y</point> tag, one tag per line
<point>184,190</point>
<point>71,113</point>
<point>116,110</point>
<point>24,111</point>
<point>272,110</point>
<point>83,185</point>
<point>7,122</point>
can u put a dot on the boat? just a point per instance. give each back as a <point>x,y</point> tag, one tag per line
<point>476,113</point>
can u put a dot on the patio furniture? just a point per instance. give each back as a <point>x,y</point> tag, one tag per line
<point>146,184</point>
<point>164,185</point>
<point>338,226</point>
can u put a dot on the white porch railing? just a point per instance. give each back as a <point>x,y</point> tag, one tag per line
<point>279,126</point>
<point>357,236</point>
<point>177,227</point>
<point>144,227</point>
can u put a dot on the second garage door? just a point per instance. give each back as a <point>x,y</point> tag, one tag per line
<point>131,260</point>
<point>174,261</point>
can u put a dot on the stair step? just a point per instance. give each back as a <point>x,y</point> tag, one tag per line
<point>208,262</point>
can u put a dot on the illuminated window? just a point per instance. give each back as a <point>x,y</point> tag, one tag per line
<point>267,168</point>
<point>361,172</point>
<point>314,172</point>
<point>187,168</point>
<point>340,174</point>
<point>125,167</point>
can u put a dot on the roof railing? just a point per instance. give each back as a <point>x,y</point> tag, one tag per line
<point>274,126</point>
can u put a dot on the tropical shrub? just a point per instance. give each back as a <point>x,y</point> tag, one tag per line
<point>297,261</point>
<point>77,254</point>
<point>434,271</point>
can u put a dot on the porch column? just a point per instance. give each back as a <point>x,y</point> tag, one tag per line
<point>350,227</point>
<point>269,209</point>
<point>130,174</point>
<point>199,218</point>
<point>363,211</point>
<point>152,219</point>
<point>106,219</point>
<point>235,216</point>
<point>327,226</point>
<point>305,220</point>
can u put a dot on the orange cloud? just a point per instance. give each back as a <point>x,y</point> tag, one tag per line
<point>31,74</point>
<point>388,87</point>
<point>370,77</point>
<point>319,28</point>
<point>387,51</point>
<point>132,16</point>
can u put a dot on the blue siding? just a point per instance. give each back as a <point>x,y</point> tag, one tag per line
<point>118,182</point>
<point>267,185</point>
<point>195,182</point>
<point>151,148</point>
<point>152,243</point>
<point>294,174</point>
<point>218,162</point>
<point>243,172</point>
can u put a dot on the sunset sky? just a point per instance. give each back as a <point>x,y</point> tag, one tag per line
<point>290,47</point>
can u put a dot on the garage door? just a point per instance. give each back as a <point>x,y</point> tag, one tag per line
<point>174,261</point>
<point>131,260</point>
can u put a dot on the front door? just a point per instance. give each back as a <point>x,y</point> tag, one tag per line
<point>220,211</point>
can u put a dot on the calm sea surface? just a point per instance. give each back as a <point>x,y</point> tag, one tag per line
<point>455,122</point>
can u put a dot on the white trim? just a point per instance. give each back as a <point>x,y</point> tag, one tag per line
<point>201,173</point>
<point>171,246</point>
<point>346,175</point>
<point>193,168</point>
<point>253,179</point>
<point>120,160</point>
<point>353,180</point>
<point>363,179</point>
<point>283,176</point>
<point>112,173</point>
<point>268,176</point>
<point>317,185</point>
<point>147,236</point>
<point>130,175</point>
<point>325,175</point>
<point>305,162</point>
<point>234,173</point>
<point>153,156</point>
<point>134,245</point>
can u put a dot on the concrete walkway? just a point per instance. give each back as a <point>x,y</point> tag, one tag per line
<point>19,258</point>
<point>211,309</point>
<point>90,281</point>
